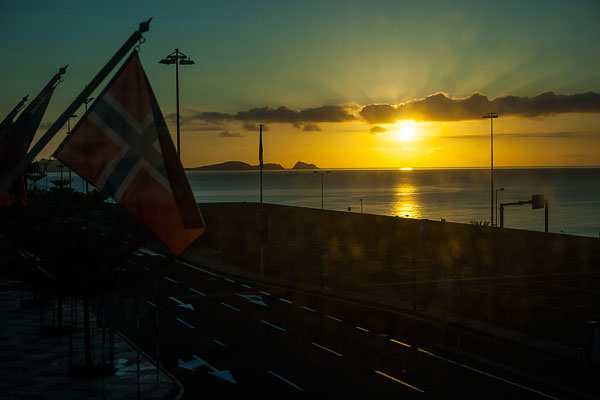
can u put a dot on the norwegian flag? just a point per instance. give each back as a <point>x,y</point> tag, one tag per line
<point>123,147</point>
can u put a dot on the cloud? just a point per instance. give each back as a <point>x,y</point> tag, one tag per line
<point>311,128</point>
<point>227,134</point>
<point>249,126</point>
<point>441,107</point>
<point>193,123</point>
<point>378,129</point>
<point>282,114</point>
<point>549,135</point>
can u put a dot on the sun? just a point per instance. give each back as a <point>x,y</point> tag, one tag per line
<point>405,130</point>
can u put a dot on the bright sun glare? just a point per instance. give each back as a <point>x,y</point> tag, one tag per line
<point>405,130</point>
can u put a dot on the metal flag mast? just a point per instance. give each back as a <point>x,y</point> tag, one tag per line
<point>11,115</point>
<point>85,94</point>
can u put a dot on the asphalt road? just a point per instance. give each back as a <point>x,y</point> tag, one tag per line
<point>223,337</point>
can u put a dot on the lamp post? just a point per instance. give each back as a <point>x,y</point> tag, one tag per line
<point>177,58</point>
<point>68,133</point>
<point>491,116</point>
<point>86,101</point>
<point>322,173</point>
<point>361,206</point>
<point>497,190</point>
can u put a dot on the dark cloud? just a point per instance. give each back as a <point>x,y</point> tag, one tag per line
<point>282,114</point>
<point>440,107</point>
<point>227,134</point>
<point>378,129</point>
<point>311,128</point>
<point>549,135</point>
<point>194,123</point>
<point>249,126</point>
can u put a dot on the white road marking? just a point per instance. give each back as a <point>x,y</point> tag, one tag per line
<point>362,329</point>
<point>247,286</point>
<point>334,318</point>
<point>151,303</point>
<point>182,304</point>
<point>399,381</point>
<point>309,309</point>
<point>232,307</point>
<point>272,325</point>
<point>170,280</point>
<point>253,298</point>
<point>185,323</point>
<point>219,343</point>
<point>400,343</point>
<point>197,292</point>
<point>229,280</point>
<point>285,301</point>
<point>487,374</point>
<point>286,381</point>
<point>265,293</point>
<point>326,349</point>
<point>194,267</point>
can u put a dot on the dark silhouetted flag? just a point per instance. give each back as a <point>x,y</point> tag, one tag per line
<point>16,141</point>
<point>123,147</point>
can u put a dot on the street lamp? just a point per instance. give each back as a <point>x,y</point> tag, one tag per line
<point>322,173</point>
<point>491,116</point>
<point>497,190</point>
<point>177,58</point>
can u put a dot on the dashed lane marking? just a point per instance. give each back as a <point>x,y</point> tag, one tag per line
<point>151,303</point>
<point>229,280</point>
<point>231,307</point>
<point>194,267</point>
<point>309,309</point>
<point>400,343</point>
<point>247,286</point>
<point>170,280</point>
<point>197,292</point>
<point>272,325</point>
<point>326,349</point>
<point>360,328</point>
<point>285,301</point>
<point>185,323</point>
<point>265,293</point>
<point>286,381</point>
<point>408,385</point>
<point>334,318</point>
<point>219,343</point>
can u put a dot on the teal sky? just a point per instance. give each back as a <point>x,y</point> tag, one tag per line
<point>307,53</point>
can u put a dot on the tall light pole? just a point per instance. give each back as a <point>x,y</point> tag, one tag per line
<point>260,161</point>
<point>86,101</point>
<point>497,190</point>
<point>322,173</point>
<point>491,116</point>
<point>177,58</point>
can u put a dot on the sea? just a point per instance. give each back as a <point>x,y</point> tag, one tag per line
<point>455,195</point>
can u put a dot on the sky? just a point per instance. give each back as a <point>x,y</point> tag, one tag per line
<point>342,84</point>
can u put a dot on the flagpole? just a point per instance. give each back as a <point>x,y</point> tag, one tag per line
<point>11,115</point>
<point>260,160</point>
<point>87,91</point>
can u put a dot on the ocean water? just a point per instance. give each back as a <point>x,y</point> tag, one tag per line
<point>457,195</point>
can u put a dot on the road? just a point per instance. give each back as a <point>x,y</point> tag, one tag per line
<point>224,337</point>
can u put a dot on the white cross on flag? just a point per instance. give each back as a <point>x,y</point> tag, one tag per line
<point>123,147</point>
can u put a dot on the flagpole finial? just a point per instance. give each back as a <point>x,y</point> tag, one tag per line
<point>145,26</point>
<point>25,98</point>
<point>63,69</point>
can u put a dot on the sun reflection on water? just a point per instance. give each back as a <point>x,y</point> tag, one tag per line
<point>405,202</point>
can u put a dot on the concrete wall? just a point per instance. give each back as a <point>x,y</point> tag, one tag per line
<point>482,272</point>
